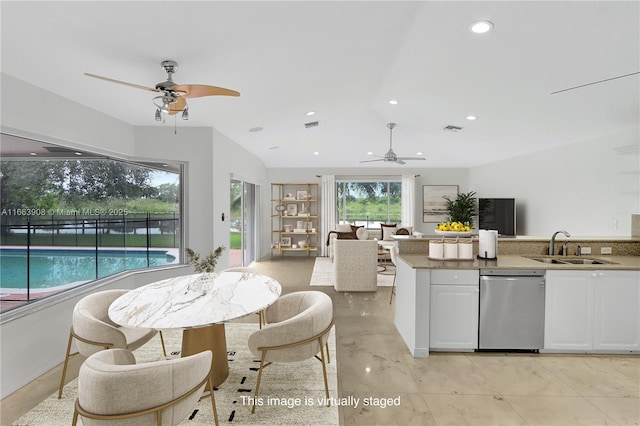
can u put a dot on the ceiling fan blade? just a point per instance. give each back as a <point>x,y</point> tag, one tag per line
<point>111,80</point>
<point>370,161</point>
<point>177,106</point>
<point>399,161</point>
<point>199,90</point>
<point>411,158</point>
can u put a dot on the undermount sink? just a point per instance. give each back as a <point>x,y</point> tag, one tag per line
<point>571,260</point>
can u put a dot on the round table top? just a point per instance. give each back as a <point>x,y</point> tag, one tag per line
<point>196,300</point>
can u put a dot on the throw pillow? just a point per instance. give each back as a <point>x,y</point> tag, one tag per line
<point>388,230</point>
<point>405,230</point>
<point>343,227</point>
<point>362,233</point>
<point>346,235</point>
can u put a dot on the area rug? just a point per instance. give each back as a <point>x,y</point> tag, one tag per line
<point>322,274</point>
<point>291,393</point>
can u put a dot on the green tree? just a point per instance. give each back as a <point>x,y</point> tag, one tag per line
<point>27,185</point>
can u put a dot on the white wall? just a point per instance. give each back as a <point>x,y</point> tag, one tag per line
<point>585,188</point>
<point>35,113</point>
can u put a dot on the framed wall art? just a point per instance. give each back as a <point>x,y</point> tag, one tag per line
<point>292,209</point>
<point>285,241</point>
<point>434,206</point>
<point>301,195</point>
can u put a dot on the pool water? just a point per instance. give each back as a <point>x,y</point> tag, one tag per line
<point>55,267</point>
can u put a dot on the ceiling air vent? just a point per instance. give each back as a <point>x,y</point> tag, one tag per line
<point>451,128</point>
<point>311,124</point>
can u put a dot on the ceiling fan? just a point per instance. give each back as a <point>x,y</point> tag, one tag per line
<point>391,156</point>
<point>172,98</point>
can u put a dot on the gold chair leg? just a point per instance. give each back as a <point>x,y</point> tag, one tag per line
<point>328,356</point>
<point>324,373</point>
<point>255,398</point>
<point>164,350</point>
<point>213,402</point>
<point>75,417</point>
<point>393,289</point>
<point>66,364</point>
<point>261,318</point>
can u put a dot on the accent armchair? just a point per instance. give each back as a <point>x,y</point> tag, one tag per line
<point>94,331</point>
<point>111,386</point>
<point>298,325</point>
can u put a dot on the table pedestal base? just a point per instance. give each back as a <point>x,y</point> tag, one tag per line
<point>195,340</point>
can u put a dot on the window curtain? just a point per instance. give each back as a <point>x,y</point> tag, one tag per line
<point>408,199</point>
<point>327,211</point>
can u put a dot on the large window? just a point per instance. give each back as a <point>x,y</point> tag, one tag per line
<point>70,218</point>
<point>369,202</point>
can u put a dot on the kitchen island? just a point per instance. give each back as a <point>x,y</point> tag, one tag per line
<point>589,308</point>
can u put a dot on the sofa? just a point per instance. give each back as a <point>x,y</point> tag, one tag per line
<point>382,235</point>
<point>355,265</point>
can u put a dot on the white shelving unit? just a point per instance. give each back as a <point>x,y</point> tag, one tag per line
<point>294,218</point>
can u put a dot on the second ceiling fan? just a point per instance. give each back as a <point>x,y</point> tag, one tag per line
<point>390,156</point>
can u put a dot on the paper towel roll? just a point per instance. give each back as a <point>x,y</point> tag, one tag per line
<point>487,244</point>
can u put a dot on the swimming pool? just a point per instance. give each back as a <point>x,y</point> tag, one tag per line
<point>55,267</point>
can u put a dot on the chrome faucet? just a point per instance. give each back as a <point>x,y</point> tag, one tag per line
<point>552,243</point>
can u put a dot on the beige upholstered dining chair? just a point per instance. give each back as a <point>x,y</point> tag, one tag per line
<point>111,386</point>
<point>297,328</point>
<point>94,331</point>
<point>247,269</point>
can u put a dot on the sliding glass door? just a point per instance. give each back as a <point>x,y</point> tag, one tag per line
<point>243,233</point>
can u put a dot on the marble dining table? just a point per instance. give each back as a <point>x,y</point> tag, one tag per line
<point>199,304</point>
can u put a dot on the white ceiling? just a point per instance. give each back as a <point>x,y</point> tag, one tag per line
<point>346,60</point>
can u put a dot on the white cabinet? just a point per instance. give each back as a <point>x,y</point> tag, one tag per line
<point>592,311</point>
<point>616,311</point>
<point>453,318</point>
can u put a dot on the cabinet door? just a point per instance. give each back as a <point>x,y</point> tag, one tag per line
<point>568,310</point>
<point>453,322</point>
<point>617,310</point>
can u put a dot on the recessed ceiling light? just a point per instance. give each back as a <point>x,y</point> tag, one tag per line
<point>419,153</point>
<point>256,129</point>
<point>471,117</point>
<point>32,153</point>
<point>78,153</point>
<point>316,153</point>
<point>369,153</point>
<point>309,113</point>
<point>393,102</point>
<point>481,27</point>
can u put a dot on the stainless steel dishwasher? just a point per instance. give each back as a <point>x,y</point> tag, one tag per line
<point>511,310</point>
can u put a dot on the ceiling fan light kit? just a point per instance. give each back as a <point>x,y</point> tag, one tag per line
<point>173,96</point>
<point>390,156</point>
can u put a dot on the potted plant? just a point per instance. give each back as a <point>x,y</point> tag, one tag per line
<point>461,211</point>
<point>208,264</point>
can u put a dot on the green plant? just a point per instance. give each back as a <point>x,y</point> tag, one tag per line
<point>208,264</point>
<point>463,209</point>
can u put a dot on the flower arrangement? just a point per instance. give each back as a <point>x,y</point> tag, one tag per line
<point>208,264</point>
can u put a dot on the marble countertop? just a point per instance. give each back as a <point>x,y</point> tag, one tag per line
<point>421,261</point>
<point>196,300</point>
<point>518,238</point>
